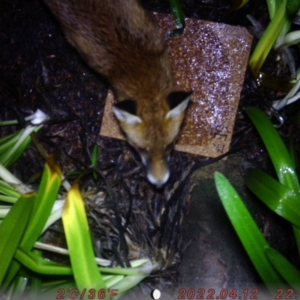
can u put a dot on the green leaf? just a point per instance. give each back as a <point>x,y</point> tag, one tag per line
<point>18,148</point>
<point>273,6</point>
<point>135,277</point>
<point>285,166</point>
<point>268,39</point>
<point>146,270</point>
<point>277,150</point>
<point>178,13</point>
<point>9,123</point>
<point>17,288</point>
<point>8,199</point>
<point>8,141</point>
<point>8,190</point>
<point>292,7</point>
<point>237,4</point>
<point>39,265</point>
<point>286,269</point>
<point>46,196</point>
<point>179,18</point>
<point>86,272</point>
<point>247,231</point>
<point>292,38</point>
<point>277,197</point>
<point>127,283</point>
<point>8,177</point>
<point>11,230</point>
<point>95,156</point>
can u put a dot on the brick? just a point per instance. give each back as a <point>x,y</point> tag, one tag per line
<point>210,59</point>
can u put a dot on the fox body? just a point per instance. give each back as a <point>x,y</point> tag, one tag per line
<point>119,40</point>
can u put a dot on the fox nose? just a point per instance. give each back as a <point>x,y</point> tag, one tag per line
<point>160,180</point>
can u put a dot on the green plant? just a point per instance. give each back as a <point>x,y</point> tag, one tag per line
<point>28,213</point>
<point>179,17</point>
<point>278,37</point>
<point>281,195</point>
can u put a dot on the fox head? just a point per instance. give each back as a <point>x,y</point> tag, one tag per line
<point>152,131</point>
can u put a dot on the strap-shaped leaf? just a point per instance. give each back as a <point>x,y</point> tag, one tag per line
<point>47,194</point>
<point>276,196</point>
<point>8,141</point>
<point>286,269</point>
<point>11,230</point>
<point>85,269</point>
<point>268,39</point>
<point>18,148</point>
<point>39,265</point>
<point>8,190</point>
<point>178,13</point>
<point>248,232</point>
<point>277,150</point>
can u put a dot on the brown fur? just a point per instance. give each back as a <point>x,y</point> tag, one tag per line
<point>118,39</point>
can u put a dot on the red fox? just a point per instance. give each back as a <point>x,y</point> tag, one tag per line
<point>119,40</point>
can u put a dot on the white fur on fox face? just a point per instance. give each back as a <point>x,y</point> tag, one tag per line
<point>159,182</point>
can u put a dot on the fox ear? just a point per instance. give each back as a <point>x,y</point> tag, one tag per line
<point>178,102</point>
<point>126,111</point>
